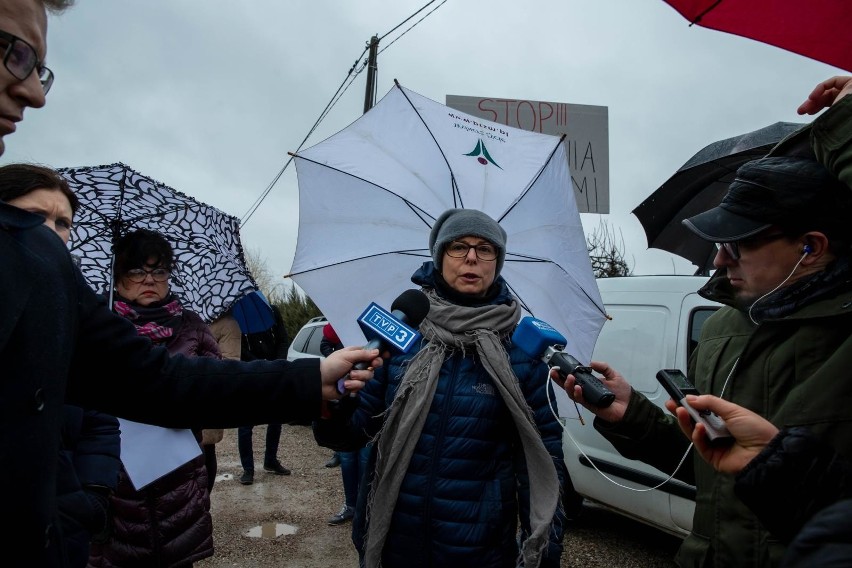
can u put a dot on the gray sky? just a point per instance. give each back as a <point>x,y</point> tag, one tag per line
<point>208,96</point>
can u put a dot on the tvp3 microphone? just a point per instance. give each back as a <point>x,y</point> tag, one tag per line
<point>540,340</point>
<point>397,329</point>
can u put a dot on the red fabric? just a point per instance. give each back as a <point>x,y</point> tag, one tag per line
<point>329,333</point>
<point>819,29</point>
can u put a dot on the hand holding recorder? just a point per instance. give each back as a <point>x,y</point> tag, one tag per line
<point>678,387</point>
<point>751,432</point>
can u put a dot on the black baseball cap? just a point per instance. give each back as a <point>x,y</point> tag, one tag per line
<point>791,192</point>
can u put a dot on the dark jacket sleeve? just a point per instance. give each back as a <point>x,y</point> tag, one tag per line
<point>825,540</point>
<point>333,431</point>
<point>831,139</point>
<point>328,347</point>
<point>648,434</point>
<point>88,471</point>
<point>282,339</point>
<point>354,420</point>
<point>794,476</point>
<point>116,371</point>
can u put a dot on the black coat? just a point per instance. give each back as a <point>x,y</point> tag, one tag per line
<point>89,465</point>
<point>59,341</point>
<point>825,541</point>
<point>800,489</point>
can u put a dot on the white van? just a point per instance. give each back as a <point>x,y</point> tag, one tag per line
<point>656,321</point>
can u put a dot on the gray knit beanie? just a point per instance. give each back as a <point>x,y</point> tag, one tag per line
<point>455,223</point>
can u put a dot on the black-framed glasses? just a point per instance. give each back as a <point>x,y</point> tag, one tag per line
<point>458,249</point>
<point>732,248</point>
<point>21,59</point>
<point>138,275</point>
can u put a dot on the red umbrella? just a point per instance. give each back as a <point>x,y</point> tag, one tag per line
<point>819,29</point>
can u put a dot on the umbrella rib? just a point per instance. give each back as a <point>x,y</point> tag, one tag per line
<point>709,8</point>
<point>417,210</point>
<point>535,259</point>
<point>210,263</point>
<point>422,253</point>
<point>457,198</point>
<point>533,180</point>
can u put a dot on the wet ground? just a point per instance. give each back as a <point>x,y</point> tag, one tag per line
<point>281,521</point>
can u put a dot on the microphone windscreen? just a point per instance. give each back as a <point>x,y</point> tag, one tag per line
<point>533,337</point>
<point>414,304</point>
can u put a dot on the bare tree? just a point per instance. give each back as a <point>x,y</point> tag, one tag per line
<point>607,253</point>
<point>271,286</point>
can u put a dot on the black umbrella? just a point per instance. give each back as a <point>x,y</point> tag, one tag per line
<point>699,185</point>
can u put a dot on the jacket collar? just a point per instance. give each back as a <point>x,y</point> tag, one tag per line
<point>15,219</point>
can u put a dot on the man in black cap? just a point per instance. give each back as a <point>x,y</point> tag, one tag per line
<point>773,229</point>
<point>781,346</point>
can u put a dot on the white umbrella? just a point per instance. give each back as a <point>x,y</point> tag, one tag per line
<point>368,197</point>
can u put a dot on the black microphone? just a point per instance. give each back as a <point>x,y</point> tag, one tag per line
<point>540,340</point>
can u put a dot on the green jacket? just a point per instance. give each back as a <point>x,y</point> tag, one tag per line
<point>830,138</point>
<point>795,370</point>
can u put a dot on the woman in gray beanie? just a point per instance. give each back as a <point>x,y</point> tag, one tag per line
<point>467,464</point>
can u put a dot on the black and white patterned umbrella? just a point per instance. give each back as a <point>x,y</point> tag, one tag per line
<point>210,272</point>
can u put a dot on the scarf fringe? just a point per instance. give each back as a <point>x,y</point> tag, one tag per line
<point>450,328</point>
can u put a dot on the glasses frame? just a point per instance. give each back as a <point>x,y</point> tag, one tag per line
<point>45,75</point>
<point>474,247</point>
<point>134,273</point>
<point>732,248</point>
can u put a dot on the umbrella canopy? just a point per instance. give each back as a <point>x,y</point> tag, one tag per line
<point>699,185</point>
<point>210,270</point>
<point>253,313</point>
<point>369,195</point>
<point>818,29</point>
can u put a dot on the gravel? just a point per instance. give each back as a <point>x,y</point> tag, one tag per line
<point>304,500</point>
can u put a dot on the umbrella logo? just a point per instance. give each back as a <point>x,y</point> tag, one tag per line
<point>481,154</point>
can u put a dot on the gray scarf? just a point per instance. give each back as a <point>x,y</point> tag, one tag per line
<point>448,328</point>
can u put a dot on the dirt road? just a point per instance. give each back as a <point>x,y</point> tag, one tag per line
<point>306,499</point>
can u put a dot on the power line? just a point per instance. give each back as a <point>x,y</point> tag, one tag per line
<point>354,71</point>
<point>336,97</point>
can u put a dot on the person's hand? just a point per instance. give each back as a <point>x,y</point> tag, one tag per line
<point>826,94</point>
<point>751,432</point>
<point>339,365</point>
<point>613,381</point>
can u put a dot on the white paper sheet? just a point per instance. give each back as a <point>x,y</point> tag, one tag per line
<point>150,452</point>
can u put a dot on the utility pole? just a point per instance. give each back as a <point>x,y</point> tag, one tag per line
<point>370,95</point>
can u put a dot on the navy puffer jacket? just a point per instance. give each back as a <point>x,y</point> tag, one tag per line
<point>466,488</point>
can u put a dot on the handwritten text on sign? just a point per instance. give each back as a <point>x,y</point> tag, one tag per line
<point>587,137</point>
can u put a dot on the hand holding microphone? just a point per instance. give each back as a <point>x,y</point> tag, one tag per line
<point>395,330</point>
<point>340,364</point>
<point>389,331</point>
<point>540,340</point>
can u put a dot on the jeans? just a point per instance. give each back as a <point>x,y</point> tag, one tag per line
<point>270,455</point>
<point>353,465</point>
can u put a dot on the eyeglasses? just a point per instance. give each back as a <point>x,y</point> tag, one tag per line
<point>732,248</point>
<point>20,59</point>
<point>457,249</point>
<point>138,275</point>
